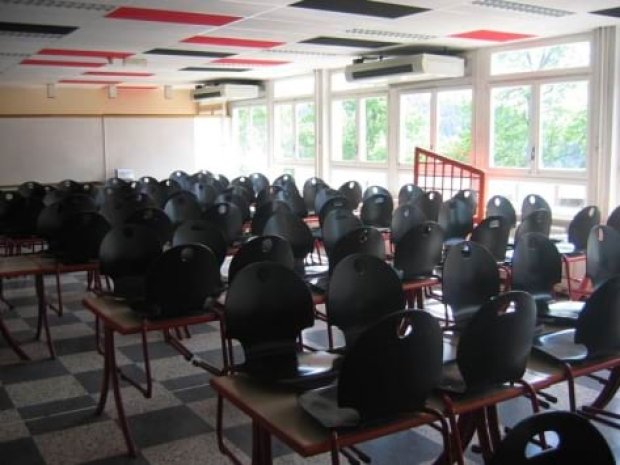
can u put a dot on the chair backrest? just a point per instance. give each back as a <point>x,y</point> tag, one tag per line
<point>366,240</point>
<point>268,194</point>
<point>246,183</point>
<point>362,290</point>
<point>323,195</point>
<point>149,185</point>
<point>125,254</point>
<point>578,442</point>
<point>470,197</point>
<point>81,235</point>
<point>409,193</point>
<point>333,203</point>
<point>493,233</point>
<point>533,202</point>
<point>430,204</point>
<point>70,186</point>
<point>201,232</point>
<point>581,224</point>
<point>470,277</point>
<point>261,249</point>
<point>377,210</point>
<point>12,205</point>
<point>294,201</point>
<point>613,219</point>
<point>155,219</point>
<point>182,178</point>
<point>228,218</point>
<point>205,194</point>
<point>182,206</point>
<point>498,205</point>
<point>404,218</point>
<point>456,218</point>
<point>536,267</point>
<point>374,190</point>
<point>293,229</point>
<point>337,224</point>
<point>267,306</point>
<point>538,221</point>
<point>51,218</point>
<point>598,324</point>
<point>311,187</point>
<point>352,191</point>
<point>168,188</point>
<point>31,189</point>
<point>116,210</point>
<point>223,180</point>
<point>238,196</point>
<point>419,252</point>
<point>494,347</point>
<point>259,182</point>
<point>398,362</point>
<point>602,254</point>
<point>182,281</point>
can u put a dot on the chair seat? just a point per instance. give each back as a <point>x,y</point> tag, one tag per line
<point>563,312</point>
<point>561,345</point>
<point>451,379</point>
<point>322,405</point>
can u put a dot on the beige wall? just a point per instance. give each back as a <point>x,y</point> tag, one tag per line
<point>15,101</point>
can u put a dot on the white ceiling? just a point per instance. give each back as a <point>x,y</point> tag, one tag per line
<point>258,20</point>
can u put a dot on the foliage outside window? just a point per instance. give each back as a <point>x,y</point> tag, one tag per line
<point>552,57</point>
<point>294,130</point>
<point>510,122</point>
<point>249,125</point>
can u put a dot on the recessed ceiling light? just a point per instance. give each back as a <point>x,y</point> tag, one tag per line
<point>523,8</point>
<point>392,34</point>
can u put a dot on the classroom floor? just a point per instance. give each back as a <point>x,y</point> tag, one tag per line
<point>47,406</point>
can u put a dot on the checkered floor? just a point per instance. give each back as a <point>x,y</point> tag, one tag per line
<point>47,406</point>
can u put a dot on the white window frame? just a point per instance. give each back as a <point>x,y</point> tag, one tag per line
<point>295,160</point>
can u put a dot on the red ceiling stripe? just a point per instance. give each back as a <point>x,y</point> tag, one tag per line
<point>75,64</point>
<point>493,36</point>
<point>84,53</point>
<point>87,81</point>
<point>170,16</point>
<point>249,61</point>
<point>116,73</point>
<point>231,42</point>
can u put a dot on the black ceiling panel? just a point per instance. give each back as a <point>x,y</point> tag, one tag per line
<point>211,69</point>
<point>614,12</point>
<point>361,7</point>
<point>44,29</point>
<point>343,42</point>
<point>188,53</point>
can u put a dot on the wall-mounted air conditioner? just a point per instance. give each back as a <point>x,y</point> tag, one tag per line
<point>225,92</point>
<point>422,66</point>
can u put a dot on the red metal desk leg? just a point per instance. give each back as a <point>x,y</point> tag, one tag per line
<point>42,320</point>
<point>12,342</point>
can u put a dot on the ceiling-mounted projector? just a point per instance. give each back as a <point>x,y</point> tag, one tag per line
<point>223,92</point>
<point>421,66</point>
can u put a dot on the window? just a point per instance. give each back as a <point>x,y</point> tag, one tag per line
<point>249,131</point>
<point>437,120</point>
<point>294,131</point>
<point>359,129</point>
<point>553,57</point>
<point>510,122</point>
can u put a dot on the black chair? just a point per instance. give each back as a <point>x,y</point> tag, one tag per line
<point>498,205</point>
<point>240,190</point>
<point>294,201</point>
<point>286,181</point>
<point>52,217</point>
<point>602,254</point>
<point>325,195</point>
<point>338,223</point>
<point>262,249</point>
<point>259,182</point>
<point>201,232</point>
<point>492,354</point>
<point>205,194</point>
<point>456,219</point>
<point>613,220</point>
<point>116,210</point>
<point>70,186</point>
<point>580,226</point>
<point>228,218</point>
<point>470,277</point>
<point>154,219</point>
<point>352,191</point>
<point>292,228</point>
<point>116,182</point>
<point>377,211</point>
<point>493,233</point>
<point>366,240</point>
<point>150,186</point>
<point>403,352</point>
<point>246,183</point>
<point>408,193</point>
<point>182,179</point>
<point>263,213</point>
<point>31,189</point>
<point>362,290</point>
<point>333,203</point>
<point>238,197</point>
<point>223,180</point>
<point>182,281</point>
<point>405,218</point>
<point>430,204</point>
<point>80,237</point>
<point>182,206</point>
<point>168,187</point>
<point>538,221</point>
<point>12,205</point>
<point>374,190</point>
<point>578,442</point>
<point>532,203</point>
<point>470,197</point>
<point>593,345</point>
<point>267,307</point>
<point>125,254</point>
<point>311,187</point>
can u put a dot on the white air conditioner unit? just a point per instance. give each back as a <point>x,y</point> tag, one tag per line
<point>224,92</point>
<point>422,66</point>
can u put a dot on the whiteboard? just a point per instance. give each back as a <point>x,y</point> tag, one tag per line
<point>150,146</point>
<point>50,149</point>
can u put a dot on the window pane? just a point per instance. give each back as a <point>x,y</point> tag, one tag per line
<point>574,55</point>
<point>510,108</point>
<point>564,125</point>
<point>259,128</point>
<point>344,130</point>
<point>454,124</point>
<point>305,130</point>
<point>283,131</point>
<point>376,128</point>
<point>415,124</point>
<point>241,124</point>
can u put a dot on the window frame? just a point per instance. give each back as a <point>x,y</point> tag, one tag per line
<point>295,159</point>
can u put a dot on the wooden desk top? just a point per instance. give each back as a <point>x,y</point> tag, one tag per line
<point>119,316</point>
<point>19,265</point>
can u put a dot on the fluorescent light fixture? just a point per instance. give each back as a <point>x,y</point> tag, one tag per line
<point>391,34</point>
<point>523,8</point>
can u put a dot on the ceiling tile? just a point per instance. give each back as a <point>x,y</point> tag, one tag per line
<point>187,53</point>
<point>347,42</point>
<point>61,63</point>
<point>360,7</point>
<point>250,61</point>
<point>171,16</point>
<point>35,29</point>
<point>492,36</point>
<point>213,69</point>
<point>231,41</point>
<point>84,53</point>
<point>614,12</point>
